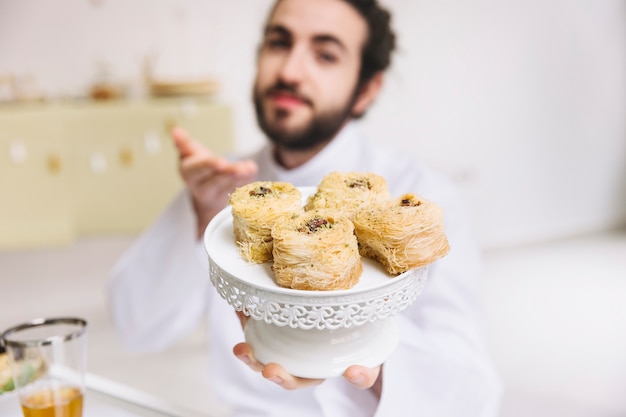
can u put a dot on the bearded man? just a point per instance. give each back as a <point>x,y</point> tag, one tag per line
<point>320,65</point>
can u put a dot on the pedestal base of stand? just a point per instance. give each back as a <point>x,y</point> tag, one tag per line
<point>322,353</point>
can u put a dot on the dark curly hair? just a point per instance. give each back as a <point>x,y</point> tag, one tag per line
<point>381,41</point>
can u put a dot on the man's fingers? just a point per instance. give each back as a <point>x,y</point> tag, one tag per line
<point>246,169</point>
<point>244,353</point>
<point>183,142</point>
<point>278,375</point>
<point>272,371</point>
<point>361,376</point>
<point>195,168</point>
<point>197,163</point>
<point>187,147</point>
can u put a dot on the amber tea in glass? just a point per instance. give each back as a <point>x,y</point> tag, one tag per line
<point>47,359</point>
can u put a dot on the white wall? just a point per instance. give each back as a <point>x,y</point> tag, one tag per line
<point>522,102</point>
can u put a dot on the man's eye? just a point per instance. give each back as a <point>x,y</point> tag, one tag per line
<point>277,44</point>
<point>327,57</point>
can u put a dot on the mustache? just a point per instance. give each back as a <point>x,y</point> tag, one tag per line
<point>288,89</point>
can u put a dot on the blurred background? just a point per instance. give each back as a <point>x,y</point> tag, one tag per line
<point>522,103</point>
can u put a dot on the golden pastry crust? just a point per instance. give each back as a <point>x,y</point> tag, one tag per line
<point>316,250</point>
<point>402,234</point>
<point>255,208</point>
<point>348,191</point>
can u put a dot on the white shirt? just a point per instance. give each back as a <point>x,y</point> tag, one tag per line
<point>160,290</point>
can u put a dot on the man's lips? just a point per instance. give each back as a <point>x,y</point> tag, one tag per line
<point>287,100</point>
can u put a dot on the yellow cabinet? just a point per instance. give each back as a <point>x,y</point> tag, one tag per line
<point>35,192</point>
<point>95,168</point>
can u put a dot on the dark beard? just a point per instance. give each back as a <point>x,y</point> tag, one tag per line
<point>320,130</point>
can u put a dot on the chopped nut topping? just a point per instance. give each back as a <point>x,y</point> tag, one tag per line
<point>315,224</point>
<point>408,202</point>
<point>260,191</point>
<point>360,183</point>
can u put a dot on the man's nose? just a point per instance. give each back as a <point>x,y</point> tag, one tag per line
<point>293,67</point>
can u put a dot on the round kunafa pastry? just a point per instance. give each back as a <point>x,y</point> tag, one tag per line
<point>255,208</point>
<point>348,191</point>
<point>315,250</point>
<point>402,234</point>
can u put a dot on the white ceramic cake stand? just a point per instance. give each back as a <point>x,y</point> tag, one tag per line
<point>313,334</point>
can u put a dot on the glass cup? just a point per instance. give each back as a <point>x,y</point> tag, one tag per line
<point>48,359</point>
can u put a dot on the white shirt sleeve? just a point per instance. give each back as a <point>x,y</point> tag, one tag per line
<point>442,366</point>
<point>158,290</point>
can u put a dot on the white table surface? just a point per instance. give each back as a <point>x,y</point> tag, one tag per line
<point>107,398</point>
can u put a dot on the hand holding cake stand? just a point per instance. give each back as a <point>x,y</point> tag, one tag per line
<point>312,334</point>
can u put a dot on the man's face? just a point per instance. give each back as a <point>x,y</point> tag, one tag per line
<point>307,71</point>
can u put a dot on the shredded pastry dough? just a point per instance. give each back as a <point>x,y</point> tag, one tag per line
<point>255,208</point>
<point>402,234</point>
<point>348,191</point>
<point>351,215</point>
<point>316,250</point>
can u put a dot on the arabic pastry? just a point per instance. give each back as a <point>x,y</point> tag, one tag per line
<point>255,208</point>
<point>348,191</point>
<point>316,250</point>
<point>402,234</point>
